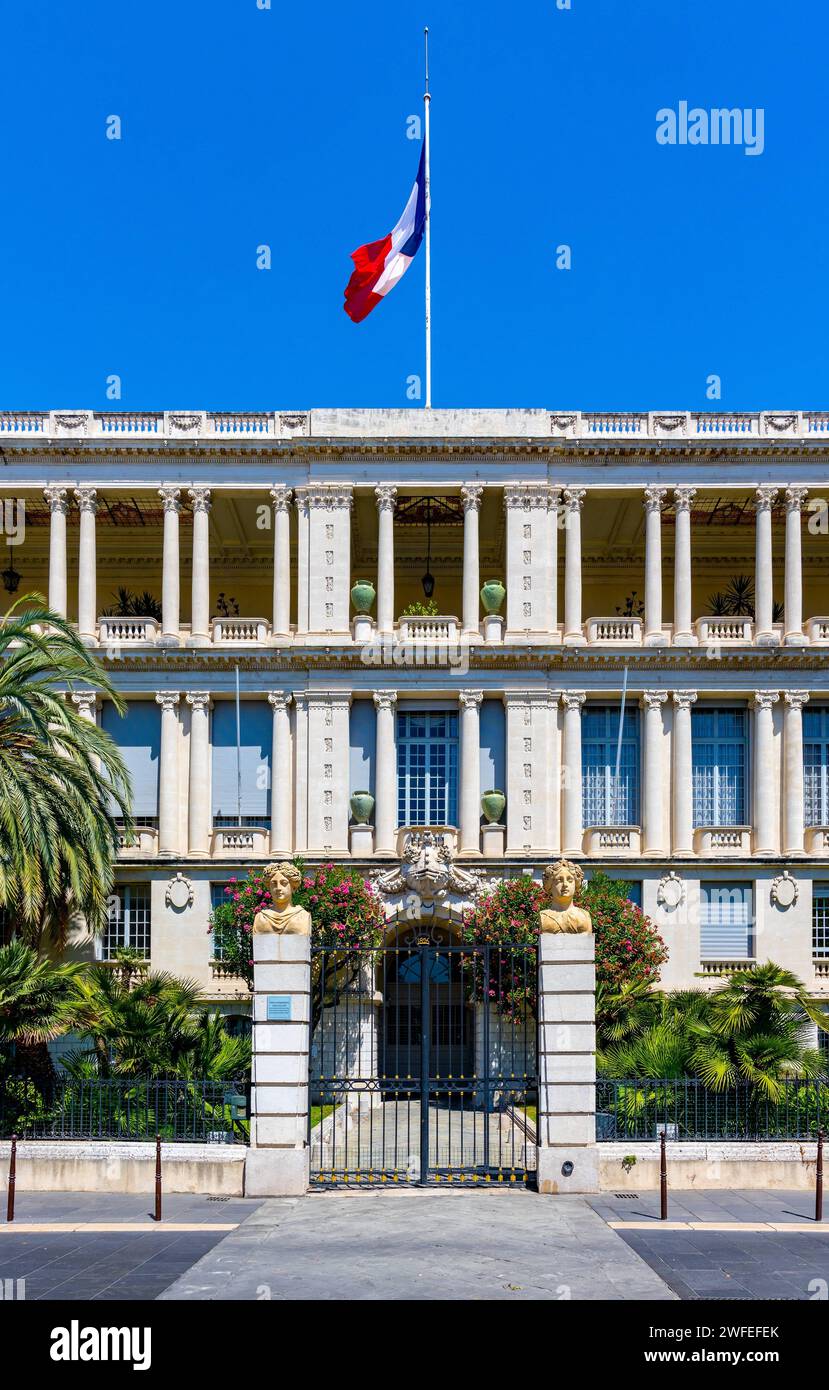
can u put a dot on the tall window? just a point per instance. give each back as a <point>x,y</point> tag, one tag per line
<point>816,765</point>
<point>138,736</point>
<point>128,921</point>
<point>604,801</point>
<point>720,755</point>
<point>217,897</point>
<point>242,772</point>
<point>427,768</point>
<point>820,921</point>
<point>726,921</point>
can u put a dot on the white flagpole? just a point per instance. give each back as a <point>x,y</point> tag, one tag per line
<point>427,99</point>
<point>619,746</point>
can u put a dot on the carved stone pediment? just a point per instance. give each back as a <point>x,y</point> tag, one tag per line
<point>427,884</point>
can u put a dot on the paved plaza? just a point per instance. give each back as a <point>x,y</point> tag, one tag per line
<point>408,1244</point>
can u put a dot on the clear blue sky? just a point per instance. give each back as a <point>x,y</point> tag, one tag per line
<point>288,127</point>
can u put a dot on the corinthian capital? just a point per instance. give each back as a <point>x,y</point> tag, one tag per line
<point>386,497</point>
<point>57,498</point>
<point>574,498</point>
<point>764,699</point>
<point>795,497</point>
<point>470,699</point>
<point>764,498</point>
<point>280,496</point>
<point>684,699</point>
<point>573,699</point>
<point>170,497</point>
<point>279,699</point>
<point>471,495</point>
<point>87,499</point>
<point>796,699</point>
<point>385,699</point>
<point>168,699</point>
<point>653,699</point>
<point>654,498</point>
<point>199,699</point>
<point>199,498</point>
<point>683,497</point>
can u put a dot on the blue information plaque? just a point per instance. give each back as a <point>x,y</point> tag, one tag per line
<point>279,1007</point>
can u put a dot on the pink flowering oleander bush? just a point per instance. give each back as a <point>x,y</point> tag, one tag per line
<point>628,947</point>
<point>345,912</point>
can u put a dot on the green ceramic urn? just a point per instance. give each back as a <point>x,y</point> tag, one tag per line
<point>492,595</point>
<point>362,805</point>
<point>492,805</point>
<point>363,595</point>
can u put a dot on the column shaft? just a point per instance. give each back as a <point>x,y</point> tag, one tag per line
<point>470,701</point>
<point>763,567</point>
<point>573,501</point>
<point>765,831</point>
<point>170,591</point>
<point>572,827</point>
<point>793,799</point>
<point>58,508</point>
<point>168,773</point>
<point>654,497</point>
<point>795,497</point>
<point>683,798</point>
<point>198,806</point>
<point>386,497</point>
<point>652,810</point>
<point>281,498</point>
<point>87,500</point>
<point>200,602</point>
<point>281,775</point>
<point>683,615</point>
<point>471,495</point>
<point>385,778</point>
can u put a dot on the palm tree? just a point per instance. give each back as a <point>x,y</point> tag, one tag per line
<point>756,1031</point>
<point>34,1006</point>
<point>134,1026</point>
<point>63,783</point>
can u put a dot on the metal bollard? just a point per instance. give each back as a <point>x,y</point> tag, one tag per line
<point>663,1178</point>
<point>819,1178</point>
<point>12,1180</point>
<point>158,1177</point>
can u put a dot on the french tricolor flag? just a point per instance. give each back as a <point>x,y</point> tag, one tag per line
<point>379,265</point>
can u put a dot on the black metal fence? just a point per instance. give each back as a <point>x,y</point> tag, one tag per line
<point>687,1109</point>
<point>182,1111</point>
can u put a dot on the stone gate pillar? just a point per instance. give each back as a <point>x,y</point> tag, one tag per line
<point>278,1162</point>
<point>567,1156</point>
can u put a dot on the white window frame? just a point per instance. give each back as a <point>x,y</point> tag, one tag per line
<point>721,816</point>
<point>407,782</point>
<point>816,773</point>
<point>131,898</point>
<point>600,787</point>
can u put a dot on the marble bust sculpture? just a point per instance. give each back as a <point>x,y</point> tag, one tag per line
<point>283,916</point>
<point>561,883</point>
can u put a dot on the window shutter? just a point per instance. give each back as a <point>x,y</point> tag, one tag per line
<point>726,926</point>
<point>138,736</point>
<point>256,737</point>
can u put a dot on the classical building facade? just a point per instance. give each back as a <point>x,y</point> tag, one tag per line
<point>651,696</point>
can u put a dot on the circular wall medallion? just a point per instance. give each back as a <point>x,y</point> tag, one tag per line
<point>670,892</point>
<point>179,893</point>
<point>784,890</point>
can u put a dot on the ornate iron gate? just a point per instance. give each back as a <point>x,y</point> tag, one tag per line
<point>423,1063</point>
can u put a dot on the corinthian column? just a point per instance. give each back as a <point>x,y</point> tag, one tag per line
<point>654,498</point>
<point>470,701</point>
<point>572,828</point>
<point>87,500</point>
<point>281,499</point>
<point>795,497</point>
<point>385,780</point>
<point>793,797</point>
<point>386,499</point>
<point>200,605</point>
<point>58,508</point>
<point>763,569</point>
<point>86,702</point>
<point>471,496</point>
<point>683,807</point>
<point>573,633</point>
<point>765,831</point>
<point>683,616</point>
<point>652,817</point>
<point>281,773</point>
<point>170,598</point>
<point>198,808</point>
<point>168,773</point>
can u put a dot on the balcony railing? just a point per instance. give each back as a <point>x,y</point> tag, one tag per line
<point>440,628</point>
<point>127,630</point>
<point>230,631</point>
<point>614,630</point>
<point>255,426</point>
